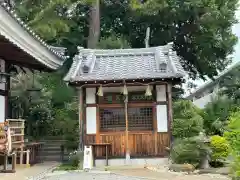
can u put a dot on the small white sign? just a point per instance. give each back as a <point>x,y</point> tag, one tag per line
<point>88,158</point>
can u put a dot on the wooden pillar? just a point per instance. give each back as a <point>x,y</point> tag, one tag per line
<point>126,130</point>
<point>14,159</point>
<point>170,111</point>
<point>21,156</point>
<point>97,125</point>
<point>81,125</point>
<point>28,158</point>
<point>7,89</point>
<point>5,163</point>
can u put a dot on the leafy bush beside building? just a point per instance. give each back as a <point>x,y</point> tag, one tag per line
<point>187,119</point>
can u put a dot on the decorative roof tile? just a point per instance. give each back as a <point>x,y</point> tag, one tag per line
<point>7,12</point>
<point>126,64</point>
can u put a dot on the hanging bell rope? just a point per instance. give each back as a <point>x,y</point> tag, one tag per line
<point>100,91</point>
<point>125,90</point>
<point>148,91</point>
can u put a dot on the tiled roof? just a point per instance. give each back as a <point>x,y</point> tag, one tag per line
<point>125,64</point>
<point>11,21</point>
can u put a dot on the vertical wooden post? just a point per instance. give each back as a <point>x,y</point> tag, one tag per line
<point>5,162</point>
<point>126,130</point>
<point>27,158</point>
<point>7,89</point>
<point>155,121</point>
<point>97,125</point>
<point>155,129</point>
<point>14,159</point>
<point>81,126</point>
<point>21,156</point>
<point>170,111</point>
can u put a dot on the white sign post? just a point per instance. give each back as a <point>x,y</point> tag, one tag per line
<point>88,158</point>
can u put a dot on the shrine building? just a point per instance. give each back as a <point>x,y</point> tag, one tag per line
<point>125,99</point>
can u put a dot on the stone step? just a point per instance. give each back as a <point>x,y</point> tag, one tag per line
<point>51,147</point>
<point>46,153</point>
<point>53,158</point>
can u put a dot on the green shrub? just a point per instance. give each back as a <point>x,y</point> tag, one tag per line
<point>189,150</point>
<point>216,115</point>
<point>233,137</point>
<point>220,148</point>
<point>187,119</point>
<point>76,159</point>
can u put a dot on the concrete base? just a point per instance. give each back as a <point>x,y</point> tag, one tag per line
<point>132,162</point>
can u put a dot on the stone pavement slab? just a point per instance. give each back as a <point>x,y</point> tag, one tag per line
<point>32,173</point>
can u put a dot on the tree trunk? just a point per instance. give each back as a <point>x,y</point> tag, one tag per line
<point>94,25</point>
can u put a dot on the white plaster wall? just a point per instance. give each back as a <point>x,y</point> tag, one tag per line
<point>91,120</point>
<point>2,108</point>
<point>203,101</point>
<point>90,95</point>
<point>162,118</point>
<point>161,92</point>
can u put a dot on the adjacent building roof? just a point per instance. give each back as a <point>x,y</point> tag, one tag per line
<point>13,30</point>
<point>119,64</point>
<point>211,83</point>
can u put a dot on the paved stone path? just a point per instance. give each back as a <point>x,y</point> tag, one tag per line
<point>32,173</point>
<point>137,174</point>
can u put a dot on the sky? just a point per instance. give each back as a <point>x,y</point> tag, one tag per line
<point>235,55</point>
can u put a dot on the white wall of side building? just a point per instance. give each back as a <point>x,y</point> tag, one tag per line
<point>203,101</point>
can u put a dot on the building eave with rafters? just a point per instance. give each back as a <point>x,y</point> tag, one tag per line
<point>24,45</point>
<point>21,46</point>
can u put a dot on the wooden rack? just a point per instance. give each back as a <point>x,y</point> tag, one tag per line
<point>4,152</point>
<point>17,127</point>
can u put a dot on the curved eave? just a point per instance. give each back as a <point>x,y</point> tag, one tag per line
<point>16,34</point>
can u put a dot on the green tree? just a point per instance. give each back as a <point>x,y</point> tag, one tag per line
<point>48,18</point>
<point>201,31</point>
<point>233,135</point>
<point>216,114</point>
<point>187,119</point>
<point>231,85</point>
<point>30,102</point>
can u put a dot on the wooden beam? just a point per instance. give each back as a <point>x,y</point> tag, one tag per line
<point>129,82</point>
